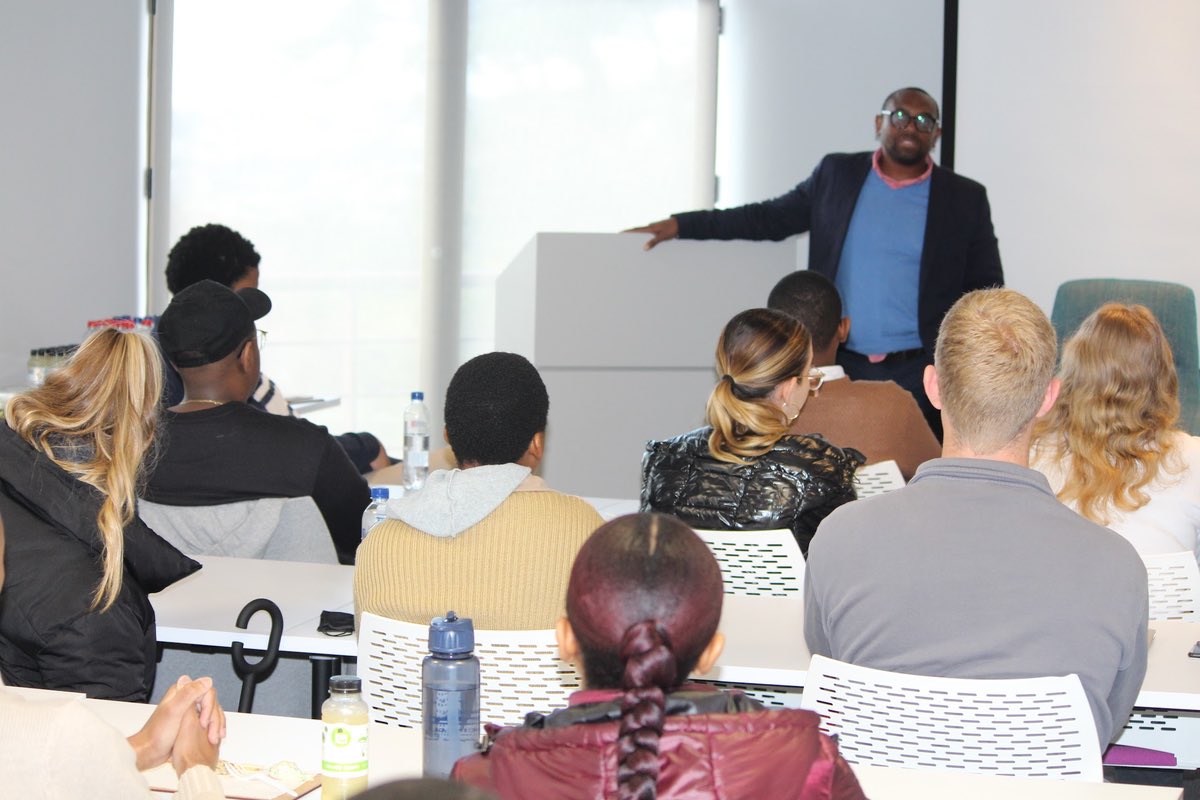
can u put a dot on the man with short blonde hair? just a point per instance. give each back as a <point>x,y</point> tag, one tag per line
<point>975,570</point>
<point>994,363</point>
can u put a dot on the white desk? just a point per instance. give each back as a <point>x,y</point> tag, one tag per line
<point>261,739</point>
<point>764,635</point>
<point>396,753</point>
<point>202,608</point>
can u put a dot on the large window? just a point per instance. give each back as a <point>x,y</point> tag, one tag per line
<point>301,124</point>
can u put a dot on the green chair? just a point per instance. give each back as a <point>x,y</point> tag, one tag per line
<point>1175,306</point>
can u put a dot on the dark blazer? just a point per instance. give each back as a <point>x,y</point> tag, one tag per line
<point>959,255</point>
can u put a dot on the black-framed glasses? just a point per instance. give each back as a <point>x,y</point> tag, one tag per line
<point>899,118</point>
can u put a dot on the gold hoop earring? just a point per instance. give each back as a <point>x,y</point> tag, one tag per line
<point>790,417</point>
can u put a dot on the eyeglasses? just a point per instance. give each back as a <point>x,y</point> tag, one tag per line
<point>262,338</point>
<point>900,118</point>
<point>816,379</point>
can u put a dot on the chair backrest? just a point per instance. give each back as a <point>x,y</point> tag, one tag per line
<point>1175,306</point>
<point>877,478</point>
<point>274,528</point>
<point>758,563</point>
<point>1032,727</point>
<point>1174,585</point>
<point>520,671</point>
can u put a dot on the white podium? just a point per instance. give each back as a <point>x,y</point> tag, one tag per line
<point>624,340</point>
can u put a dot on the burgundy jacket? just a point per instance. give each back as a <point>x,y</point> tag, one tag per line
<point>751,755</point>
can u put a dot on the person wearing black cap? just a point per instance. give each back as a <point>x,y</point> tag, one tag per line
<point>217,449</point>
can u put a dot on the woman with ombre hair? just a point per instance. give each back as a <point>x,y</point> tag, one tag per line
<point>1110,446</point>
<point>744,471</point>
<point>74,613</point>
<point>643,604</point>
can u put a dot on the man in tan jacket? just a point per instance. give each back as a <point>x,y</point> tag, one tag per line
<point>489,540</point>
<point>877,418</point>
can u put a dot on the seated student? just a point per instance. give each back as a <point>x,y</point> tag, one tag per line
<point>74,614</point>
<point>877,418</point>
<point>745,471</point>
<point>490,540</point>
<point>217,253</point>
<point>1110,446</point>
<point>58,748</point>
<point>975,569</point>
<point>217,449</point>
<point>642,611</point>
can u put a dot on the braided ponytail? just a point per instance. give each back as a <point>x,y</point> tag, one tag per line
<point>649,670</point>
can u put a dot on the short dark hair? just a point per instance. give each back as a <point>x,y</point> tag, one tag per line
<point>891,98</point>
<point>209,252</point>
<point>495,403</point>
<point>811,298</point>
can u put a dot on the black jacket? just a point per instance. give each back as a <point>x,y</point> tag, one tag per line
<point>795,485</point>
<point>959,253</point>
<point>49,636</point>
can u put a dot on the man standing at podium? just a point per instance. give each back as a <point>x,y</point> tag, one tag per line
<point>902,238</point>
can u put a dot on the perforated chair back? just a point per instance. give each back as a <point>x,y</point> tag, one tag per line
<point>1174,585</point>
<point>1173,303</point>
<point>757,563</point>
<point>1032,727</point>
<point>520,671</point>
<point>878,478</point>
<point>271,528</point>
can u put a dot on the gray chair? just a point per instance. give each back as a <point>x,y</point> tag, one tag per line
<point>274,528</point>
<point>1175,306</point>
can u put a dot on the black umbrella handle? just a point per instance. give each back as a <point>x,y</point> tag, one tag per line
<point>248,672</point>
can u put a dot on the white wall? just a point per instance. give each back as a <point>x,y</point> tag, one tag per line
<point>70,170</point>
<point>1080,117</point>
<point>802,78</point>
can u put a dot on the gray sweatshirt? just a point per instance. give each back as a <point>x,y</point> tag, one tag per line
<point>976,570</point>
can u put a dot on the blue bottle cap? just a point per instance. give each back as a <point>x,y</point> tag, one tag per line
<point>418,395</point>
<point>451,636</point>
<point>379,493</point>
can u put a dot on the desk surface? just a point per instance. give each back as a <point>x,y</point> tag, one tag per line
<point>396,753</point>
<point>201,609</point>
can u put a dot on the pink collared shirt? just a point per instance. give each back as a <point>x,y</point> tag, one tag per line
<point>892,182</point>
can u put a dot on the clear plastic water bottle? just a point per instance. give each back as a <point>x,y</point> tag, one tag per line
<point>450,695</point>
<point>376,511</point>
<point>416,442</point>
<point>344,733</point>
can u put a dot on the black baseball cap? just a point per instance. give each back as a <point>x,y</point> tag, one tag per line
<point>207,321</point>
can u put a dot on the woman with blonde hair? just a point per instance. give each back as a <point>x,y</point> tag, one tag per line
<point>74,613</point>
<point>744,471</point>
<point>1110,446</point>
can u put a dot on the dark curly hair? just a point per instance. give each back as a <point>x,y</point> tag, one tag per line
<point>644,601</point>
<point>211,252</point>
<point>495,404</point>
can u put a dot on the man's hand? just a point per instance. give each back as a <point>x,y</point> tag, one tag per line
<point>663,230</point>
<point>154,743</point>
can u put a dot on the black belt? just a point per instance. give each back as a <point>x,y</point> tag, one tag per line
<point>898,357</point>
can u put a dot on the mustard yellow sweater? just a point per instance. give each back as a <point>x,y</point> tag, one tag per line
<point>508,572</point>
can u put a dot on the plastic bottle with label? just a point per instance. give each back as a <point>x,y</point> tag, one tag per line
<point>416,442</point>
<point>344,731</point>
<point>376,510</point>
<point>450,695</point>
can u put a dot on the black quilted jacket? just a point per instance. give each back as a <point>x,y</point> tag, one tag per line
<point>50,637</point>
<point>795,485</point>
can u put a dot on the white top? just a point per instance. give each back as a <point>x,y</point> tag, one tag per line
<point>1170,522</point>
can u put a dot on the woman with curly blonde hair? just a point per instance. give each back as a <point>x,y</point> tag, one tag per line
<point>744,471</point>
<point>74,612</point>
<point>1110,446</point>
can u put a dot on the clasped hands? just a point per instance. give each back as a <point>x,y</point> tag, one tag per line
<point>187,727</point>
